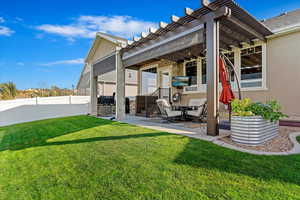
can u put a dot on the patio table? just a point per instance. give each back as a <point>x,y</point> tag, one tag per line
<point>184,110</point>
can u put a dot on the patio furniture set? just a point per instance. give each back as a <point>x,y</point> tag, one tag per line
<point>196,109</point>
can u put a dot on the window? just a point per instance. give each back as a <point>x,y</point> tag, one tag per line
<point>230,56</point>
<point>191,71</point>
<point>203,71</point>
<point>251,67</point>
<point>149,81</point>
<point>228,62</point>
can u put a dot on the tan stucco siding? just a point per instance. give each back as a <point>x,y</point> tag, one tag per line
<point>103,49</point>
<point>107,89</point>
<point>131,90</point>
<point>283,73</point>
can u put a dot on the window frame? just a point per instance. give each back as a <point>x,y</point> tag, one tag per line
<point>201,88</point>
<point>185,91</point>
<point>140,77</point>
<point>264,68</point>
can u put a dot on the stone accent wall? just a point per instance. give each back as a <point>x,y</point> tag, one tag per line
<point>106,110</point>
<point>132,106</point>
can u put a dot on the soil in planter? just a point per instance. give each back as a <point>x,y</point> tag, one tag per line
<point>281,143</point>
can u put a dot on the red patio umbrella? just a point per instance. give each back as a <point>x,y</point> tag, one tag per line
<point>227,95</point>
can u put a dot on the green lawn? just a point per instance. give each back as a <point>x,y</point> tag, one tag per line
<point>87,158</point>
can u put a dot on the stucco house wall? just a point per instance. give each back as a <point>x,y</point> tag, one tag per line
<point>106,82</point>
<point>283,73</point>
<point>103,49</point>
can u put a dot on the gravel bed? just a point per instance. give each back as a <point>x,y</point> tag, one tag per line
<point>281,143</point>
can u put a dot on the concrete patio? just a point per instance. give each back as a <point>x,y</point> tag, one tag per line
<point>190,129</point>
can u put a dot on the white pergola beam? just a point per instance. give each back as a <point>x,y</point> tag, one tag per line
<point>175,18</point>
<point>152,30</point>
<point>93,92</point>
<point>163,25</point>
<point>188,11</point>
<point>129,42</point>
<point>205,3</point>
<point>120,88</point>
<point>136,38</point>
<point>144,35</point>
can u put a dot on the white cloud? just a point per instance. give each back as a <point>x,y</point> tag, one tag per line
<point>19,19</point>
<point>5,31</point>
<point>64,30</point>
<point>20,64</point>
<point>65,62</point>
<point>88,26</point>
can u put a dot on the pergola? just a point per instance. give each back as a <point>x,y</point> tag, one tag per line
<point>218,24</point>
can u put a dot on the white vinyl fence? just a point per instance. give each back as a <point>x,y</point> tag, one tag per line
<point>31,109</point>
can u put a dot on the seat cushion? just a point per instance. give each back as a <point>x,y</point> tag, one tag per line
<point>194,113</point>
<point>173,113</point>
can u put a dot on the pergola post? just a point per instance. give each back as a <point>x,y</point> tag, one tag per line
<point>93,91</point>
<point>212,45</point>
<point>120,90</point>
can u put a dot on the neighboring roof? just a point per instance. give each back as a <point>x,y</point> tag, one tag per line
<point>284,21</point>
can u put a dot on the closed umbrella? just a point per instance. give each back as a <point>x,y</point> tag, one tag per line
<point>227,95</point>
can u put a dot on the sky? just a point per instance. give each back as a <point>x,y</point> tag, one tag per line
<point>44,42</point>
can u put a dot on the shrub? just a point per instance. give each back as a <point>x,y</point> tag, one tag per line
<point>240,107</point>
<point>269,111</point>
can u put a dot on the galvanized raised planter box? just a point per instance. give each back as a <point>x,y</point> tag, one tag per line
<point>252,130</point>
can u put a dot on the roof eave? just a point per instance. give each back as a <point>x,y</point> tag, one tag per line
<point>100,36</point>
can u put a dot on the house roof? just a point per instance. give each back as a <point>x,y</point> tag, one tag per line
<point>80,83</point>
<point>284,21</point>
<point>111,38</point>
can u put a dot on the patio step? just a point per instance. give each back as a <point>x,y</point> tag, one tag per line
<point>225,125</point>
<point>291,123</point>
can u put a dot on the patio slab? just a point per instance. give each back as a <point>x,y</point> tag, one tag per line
<point>189,129</point>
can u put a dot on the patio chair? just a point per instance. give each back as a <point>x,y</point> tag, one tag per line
<point>166,110</point>
<point>200,111</point>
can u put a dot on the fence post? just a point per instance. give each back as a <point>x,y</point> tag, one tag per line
<point>36,100</point>
<point>70,99</point>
